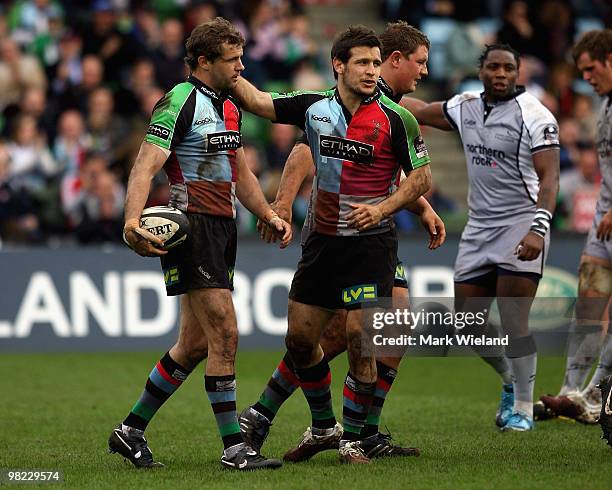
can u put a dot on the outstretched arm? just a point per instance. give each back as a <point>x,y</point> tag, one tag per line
<point>254,100</point>
<point>430,114</point>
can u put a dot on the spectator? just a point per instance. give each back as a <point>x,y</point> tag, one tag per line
<point>18,220</point>
<point>29,19</point>
<point>579,189</point>
<point>516,29</point>
<point>569,138</point>
<point>106,128</point>
<point>282,139</point>
<point>76,96</point>
<point>18,72</point>
<point>31,161</point>
<point>170,68</point>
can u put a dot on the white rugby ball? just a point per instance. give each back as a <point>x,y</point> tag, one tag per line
<point>167,223</point>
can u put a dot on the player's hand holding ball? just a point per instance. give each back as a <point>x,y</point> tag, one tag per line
<point>142,241</point>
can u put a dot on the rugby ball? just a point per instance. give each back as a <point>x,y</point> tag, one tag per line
<point>169,224</point>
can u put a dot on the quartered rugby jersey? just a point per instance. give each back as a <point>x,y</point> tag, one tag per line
<point>357,157</point>
<point>604,150</point>
<point>499,141</point>
<point>201,130</point>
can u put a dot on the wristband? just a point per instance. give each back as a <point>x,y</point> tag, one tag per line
<point>541,222</point>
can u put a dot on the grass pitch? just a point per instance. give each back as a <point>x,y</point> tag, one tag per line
<point>57,410</point>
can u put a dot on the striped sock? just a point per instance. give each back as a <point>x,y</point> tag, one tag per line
<point>386,376</point>
<point>165,378</point>
<point>221,391</point>
<point>357,400</point>
<point>281,386</point>
<point>315,381</point>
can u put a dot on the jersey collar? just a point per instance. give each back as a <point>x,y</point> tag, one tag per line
<point>388,91</point>
<point>205,89</point>
<point>519,90</point>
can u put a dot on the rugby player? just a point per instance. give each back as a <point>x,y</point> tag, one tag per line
<point>512,153</point>
<point>404,54</point>
<point>360,139</point>
<point>194,135</point>
<point>593,57</point>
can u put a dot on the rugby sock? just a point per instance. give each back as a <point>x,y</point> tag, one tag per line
<point>583,346</point>
<point>315,381</point>
<point>357,400</point>
<point>494,356</point>
<point>386,376</point>
<point>604,367</point>
<point>165,378</point>
<point>221,391</point>
<point>523,359</point>
<point>281,386</point>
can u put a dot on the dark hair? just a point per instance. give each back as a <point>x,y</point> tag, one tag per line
<point>499,47</point>
<point>598,44</point>
<point>401,36</point>
<point>207,38</point>
<point>352,37</point>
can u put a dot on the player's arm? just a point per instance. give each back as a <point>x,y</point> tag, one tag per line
<point>430,220</point>
<point>415,184</point>
<point>546,164</point>
<point>429,114</point>
<point>298,165</point>
<point>604,230</point>
<point>254,100</point>
<point>149,161</point>
<point>249,193</point>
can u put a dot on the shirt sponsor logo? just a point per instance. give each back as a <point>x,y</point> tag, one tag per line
<point>419,147</point>
<point>364,293</point>
<point>223,141</point>
<point>482,155</point>
<point>324,119</point>
<point>346,149</point>
<point>206,120</point>
<point>551,133</point>
<point>159,132</point>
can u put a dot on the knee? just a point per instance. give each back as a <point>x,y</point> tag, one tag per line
<point>300,347</point>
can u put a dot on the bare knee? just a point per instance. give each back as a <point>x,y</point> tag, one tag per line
<point>301,348</point>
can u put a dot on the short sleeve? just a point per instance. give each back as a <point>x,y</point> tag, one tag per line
<point>172,116</point>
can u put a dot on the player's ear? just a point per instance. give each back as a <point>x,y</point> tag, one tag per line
<point>338,66</point>
<point>396,57</point>
<point>203,62</point>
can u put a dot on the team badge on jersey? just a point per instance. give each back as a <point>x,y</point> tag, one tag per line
<point>551,133</point>
<point>419,147</point>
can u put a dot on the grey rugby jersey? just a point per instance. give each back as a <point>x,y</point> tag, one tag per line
<point>499,141</point>
<point>604,150</point>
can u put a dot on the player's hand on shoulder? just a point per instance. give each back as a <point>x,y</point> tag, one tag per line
<point>142,241</point>
<point>364,216</point>
<point>435,227</point>
<point>530,247</point>
<point>604,230</point>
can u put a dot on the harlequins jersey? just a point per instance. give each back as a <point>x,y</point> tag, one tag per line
<point>357,157</point>
<point>201,130</point>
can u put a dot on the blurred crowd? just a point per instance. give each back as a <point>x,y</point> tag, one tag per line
<point>78,81</point>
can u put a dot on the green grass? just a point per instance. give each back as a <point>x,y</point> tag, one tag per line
<point>57,410</point>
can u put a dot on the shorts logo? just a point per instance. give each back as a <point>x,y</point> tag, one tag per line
<point>364,293</point>
<point>346,149</point>
<point>204,273</point>
<point>171,276</point>
<point>159,132</point>
<point>400,273</point>
<point>230,275</point>
<point>419,147</point>
<point>223,141</point>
